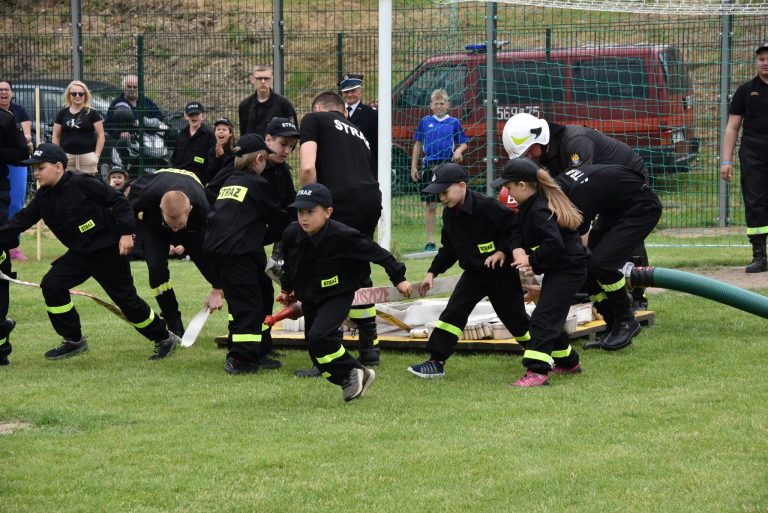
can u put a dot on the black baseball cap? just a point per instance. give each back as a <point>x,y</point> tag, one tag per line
<point>251,143</point>
<point>223,121</point>
<point>762,48</point>
<point>194,108</point>
<point>312,194</point>
<point>521,169</point>
<point>117,169</point>
<point>446,175</point>
<point>350,81</point>
<point>47,152</point>
<point>282,126</point>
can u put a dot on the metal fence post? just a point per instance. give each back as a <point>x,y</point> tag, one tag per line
<point>140,103</point>
<point>339,56</point>
<point>76,13</point>
<point>490,102</point>
<point>278,46</point>
<point>726,37</point>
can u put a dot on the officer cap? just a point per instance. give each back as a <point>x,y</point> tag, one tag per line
<point>251,143</point>
<point>312,194</point>
<point>282,127</point>
<point>762,48</point>
<point>521,169</point>
<point>350,81</point>
<point>446,175</point>
<point>47,152</point>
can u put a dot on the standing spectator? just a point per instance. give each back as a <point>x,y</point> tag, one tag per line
<point>194,142</point>
<point>222,152</point>
<point>750,105</point>
<point>17,175</point>
<point>336,154</point>
<point>129,99</point>
<point>79,130</point>
<point>364,117</point>
<point>13,150</point>
<point>117,178</point>
<point>442,139</point>
<point>256,110</point>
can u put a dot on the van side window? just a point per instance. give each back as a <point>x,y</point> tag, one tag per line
<point>675,72</point>
<point>525,82</point>
<point>609,79</point>
<point>449,77</point>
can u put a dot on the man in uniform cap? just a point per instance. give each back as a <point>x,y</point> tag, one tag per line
<point>364,117</point>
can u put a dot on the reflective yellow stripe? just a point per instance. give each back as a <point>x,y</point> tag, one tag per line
<point>523,338</point>
<point>375,341</point>
<point>60,309</point>
<point>326,375</point>
<point>521,140</point>
<point>3,256</point>
<point>264,327</point>
<point>534,248</point>
<point>246,337</point>
<point>537,355</point>
<point>163,287</point>
<point>3,340</point>
<point>561,353</point>
<point>757,230</point>
<point>331,357</point>
<point>180,172</point>
<point>230,317</point>
<point>450,328</point>
<point>362,313</point>
<point>144,324</point>
<point>611,287</point>
<point>598,297</point>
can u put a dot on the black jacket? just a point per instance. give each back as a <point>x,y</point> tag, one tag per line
<point>191,152</point>
<point>474,232</point>
<point>331,262</point>
<point>255,115</point>
<point>148,190</point>
<point>83,212</point>
<point>13,149</point>
<point>366,118</point>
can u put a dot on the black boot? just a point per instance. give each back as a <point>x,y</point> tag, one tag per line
<point>623,331</point>
<point>174,323</point>
<point>6,327</point>
<point>368,340</point>
<point>759,262</point>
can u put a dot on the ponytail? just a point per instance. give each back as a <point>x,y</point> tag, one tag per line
<point>566,213</point>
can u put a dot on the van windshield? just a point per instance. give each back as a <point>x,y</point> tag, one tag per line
<point>675,73</point>
<point>609,78</point>
<point>524,82</point>
<point>444,76</point>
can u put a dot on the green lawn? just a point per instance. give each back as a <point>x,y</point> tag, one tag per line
<point>676,423</point>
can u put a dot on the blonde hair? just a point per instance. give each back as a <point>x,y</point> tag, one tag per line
<point>566,213</point>
<point>246,160</point>
<point>88,96</point>
<point>439,94</point>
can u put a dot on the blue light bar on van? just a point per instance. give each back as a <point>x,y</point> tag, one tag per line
<point>477,48</point>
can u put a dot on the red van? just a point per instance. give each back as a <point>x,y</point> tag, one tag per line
<point>639,94</point>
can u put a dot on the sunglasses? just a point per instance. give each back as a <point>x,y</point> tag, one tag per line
<point>76,93</point>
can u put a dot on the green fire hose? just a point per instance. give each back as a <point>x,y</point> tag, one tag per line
<point>698,286</point>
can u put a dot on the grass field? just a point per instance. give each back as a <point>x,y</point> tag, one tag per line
<point>676,423</point>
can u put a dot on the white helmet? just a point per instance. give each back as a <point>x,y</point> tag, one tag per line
<point>523,130</point>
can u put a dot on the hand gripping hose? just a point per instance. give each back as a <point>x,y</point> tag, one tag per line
<point>701,286</point>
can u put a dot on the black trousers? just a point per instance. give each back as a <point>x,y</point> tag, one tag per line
<point>324,339</point>
<point>240,282</point>
<point>612,244</point>
<point>113,273</point>
<point>156,242</point>
<point>549,343</point>
<point>753,157</point>
<point>502,286</point>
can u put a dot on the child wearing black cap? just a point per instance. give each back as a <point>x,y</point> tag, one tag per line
<point>548,244</point>
<point>325,263</point>
<point>477,232</point>
<point>222,152</point>
<point>243,219</point>
<point>194,142</point>
<point>117,178</point>
<point>95,223</point>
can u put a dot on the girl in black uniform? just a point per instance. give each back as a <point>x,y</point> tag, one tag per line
<point>548,244</point>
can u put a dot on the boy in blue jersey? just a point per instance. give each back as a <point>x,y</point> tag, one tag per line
<point>442,140</point>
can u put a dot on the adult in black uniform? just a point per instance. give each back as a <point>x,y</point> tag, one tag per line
<point>364,117</point>
<point>326,262</point>
<point>258,109</point>
<point>171,210</point>
<point>337,154</point>
<point>477,232</point>
<point>558,148</point>
<point>95,222</point>
<point>242,220</point>
<point>628,210</point>
<point>13,149</point>
<point>194,142</point>
<point>750,105</point>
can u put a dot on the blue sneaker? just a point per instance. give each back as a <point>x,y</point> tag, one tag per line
<point>430,246</point>
<point>427,370</point>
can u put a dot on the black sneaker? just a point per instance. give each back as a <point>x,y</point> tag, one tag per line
<point>356,383</point>
<point>67,348</point>
<point>164,348</point>
<point>267,363</point>
<point>235,365</point>
<point>312,372</point>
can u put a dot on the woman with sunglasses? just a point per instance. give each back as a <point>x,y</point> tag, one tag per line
<point>79,129</point>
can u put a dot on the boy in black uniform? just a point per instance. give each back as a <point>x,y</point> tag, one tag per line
<point>335,153</point>
<point>13,149</point>
<point>243,219</point>
<point>194,142</point>
<point>95,222</point>
<point>628,210</point>
<point>477,231</point>
<point>750,105</point>
<point>171,209</point>
<point>325,263</point>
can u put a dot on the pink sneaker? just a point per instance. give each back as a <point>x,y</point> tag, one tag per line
<point>17,254</point>
<point>531,379</point>
<point>562,371</point>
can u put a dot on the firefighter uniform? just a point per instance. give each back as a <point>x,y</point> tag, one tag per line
<point>191,151</point>
<point>145,195</point>
<point>324,270</point>
<point>628,210</point>
<point>88,217</point>
<point>243,219</point>
<point>470,234</point>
